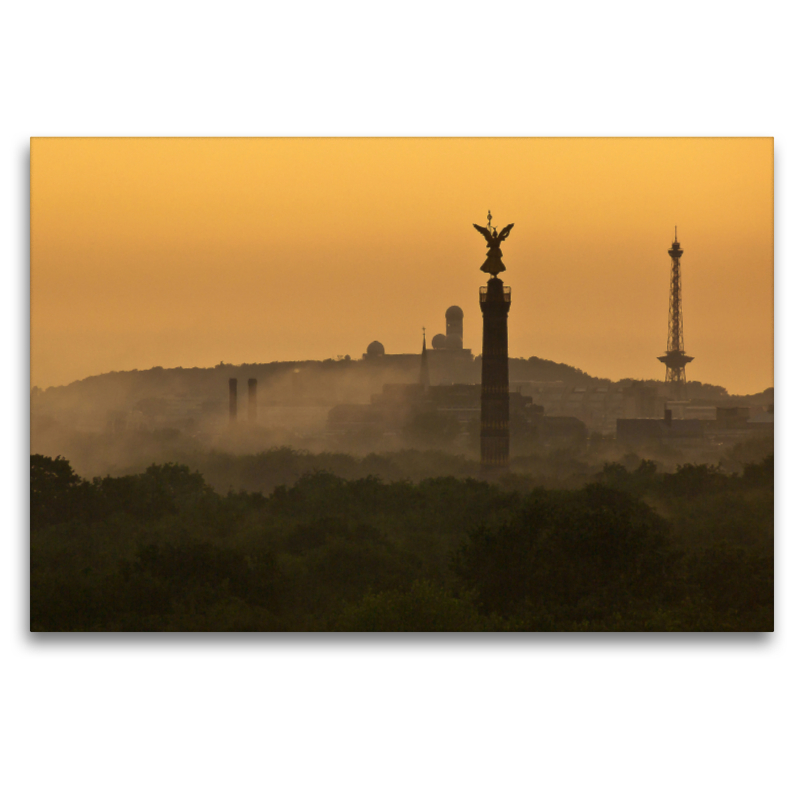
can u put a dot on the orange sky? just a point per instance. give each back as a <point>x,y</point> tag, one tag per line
<point>188,252</point>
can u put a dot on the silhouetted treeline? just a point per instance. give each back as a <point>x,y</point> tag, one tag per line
<point>633,549</point>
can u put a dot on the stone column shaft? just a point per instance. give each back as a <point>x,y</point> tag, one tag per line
<point>495,301</point>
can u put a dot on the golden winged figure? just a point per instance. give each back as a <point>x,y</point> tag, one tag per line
<point>494,258</point>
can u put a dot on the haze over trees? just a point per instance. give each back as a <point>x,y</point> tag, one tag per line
<point>118,423</point>
<point>190,523</point>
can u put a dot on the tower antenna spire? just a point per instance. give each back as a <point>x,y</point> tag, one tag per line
<point>675,359</point>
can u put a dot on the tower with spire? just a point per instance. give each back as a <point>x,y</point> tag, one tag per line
<point>675,358</point>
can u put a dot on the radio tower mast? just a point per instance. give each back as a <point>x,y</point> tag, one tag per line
<point>675,358</point>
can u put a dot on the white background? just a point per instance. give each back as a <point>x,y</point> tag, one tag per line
<point>448,717</point>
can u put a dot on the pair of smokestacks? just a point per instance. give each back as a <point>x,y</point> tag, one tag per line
<point>252,399</point>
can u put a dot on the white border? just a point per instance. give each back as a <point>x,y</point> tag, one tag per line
<point>592,716</point>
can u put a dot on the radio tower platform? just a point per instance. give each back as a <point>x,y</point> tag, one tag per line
<point>675,358</point>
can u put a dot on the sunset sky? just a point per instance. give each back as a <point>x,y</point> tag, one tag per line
<point>188,252</point>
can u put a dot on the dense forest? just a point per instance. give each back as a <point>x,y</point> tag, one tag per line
<point>289,541</point>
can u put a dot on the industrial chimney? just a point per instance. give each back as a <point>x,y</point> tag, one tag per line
<point>252,397</point>
<point>232,399</point>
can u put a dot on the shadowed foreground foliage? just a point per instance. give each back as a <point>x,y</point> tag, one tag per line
<point>631,550</point>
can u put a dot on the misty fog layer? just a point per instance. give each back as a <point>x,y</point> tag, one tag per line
<point>119,423</point>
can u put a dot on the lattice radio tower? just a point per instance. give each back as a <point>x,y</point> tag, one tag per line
<point>675,357</point>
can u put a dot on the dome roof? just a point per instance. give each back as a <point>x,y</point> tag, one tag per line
<point>453,342</point>
<point>454,312</point>
<point>375,349</point>
<point>439,342</point>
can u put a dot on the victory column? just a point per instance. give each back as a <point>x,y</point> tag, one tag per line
<point>495,301</point>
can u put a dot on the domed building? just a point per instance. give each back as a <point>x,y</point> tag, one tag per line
<point>374,349</point>
<point>454,319</point>
<point>448,361</point>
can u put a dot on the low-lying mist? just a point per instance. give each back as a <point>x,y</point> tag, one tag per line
<point>120,423</point>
